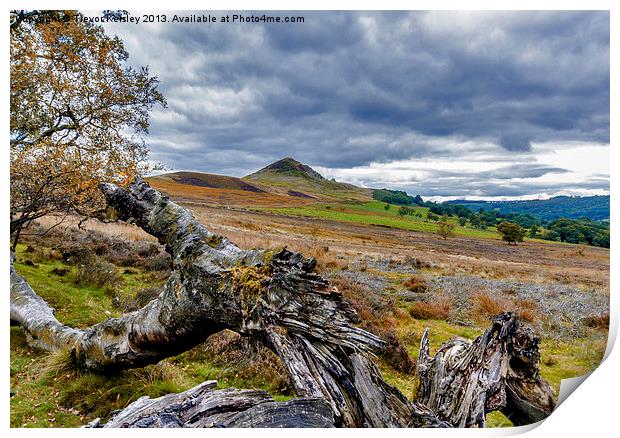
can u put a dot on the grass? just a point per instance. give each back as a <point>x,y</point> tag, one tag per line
<point>79,306</point>
<point>563,360</point>
<point>374,213</point>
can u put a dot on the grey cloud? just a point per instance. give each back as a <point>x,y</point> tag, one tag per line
<point>516,171</point>
<point>464,187</point>
<point>404,78</point>
<point>516,143</point>
<point>523,171</point>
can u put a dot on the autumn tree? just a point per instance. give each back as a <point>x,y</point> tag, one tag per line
<point>511,232</point>
<point>78,115</point>
<point>444,228</point>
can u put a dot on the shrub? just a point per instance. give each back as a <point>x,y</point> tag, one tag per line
<point>73,254</point>
<point>416,263</point>
<point>436,310</point>
<point>61,272</point>
<point>159,262</point>
<point>485,307</point>
<point>403,211</point>
<point>93,271</point>
<point>147,249</point>
<point>597,321</point>
<point>416,284</point>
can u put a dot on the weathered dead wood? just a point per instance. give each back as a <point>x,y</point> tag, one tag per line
<point>499,370</point>
<point>274,296</point>
<point>203,406</point>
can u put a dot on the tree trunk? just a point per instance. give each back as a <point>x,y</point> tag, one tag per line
<point>202,406</point>
<point>497,371</point>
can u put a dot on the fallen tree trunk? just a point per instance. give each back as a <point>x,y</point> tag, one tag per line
<point>274,296</point>
<point>499,370</point>
<point>202,406</point>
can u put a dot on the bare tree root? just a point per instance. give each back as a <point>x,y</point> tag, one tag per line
<point>499,370</point>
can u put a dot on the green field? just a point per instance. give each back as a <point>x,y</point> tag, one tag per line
<point>374,213</point>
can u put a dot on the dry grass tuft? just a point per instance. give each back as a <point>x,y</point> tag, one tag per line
<point>597,321</point>
<point>526,310</point>
<point>416,284</point>
<point>440,310</point>
<point>59,364</point>
<point>485,307</point>
<point>249,358</point>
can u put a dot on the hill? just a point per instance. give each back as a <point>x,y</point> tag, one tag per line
<point>593,207</point>
<point>290,167</point>
<point>284,183</point>
<point>289,176</point>
<point>211,180</point>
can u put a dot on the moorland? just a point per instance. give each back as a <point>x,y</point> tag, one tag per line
<point>398,273</point>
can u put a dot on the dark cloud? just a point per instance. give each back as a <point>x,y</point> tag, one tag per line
<point>346,89</point>
<point>513,143</point>
<point>471,186</point>
<point>516,171</point>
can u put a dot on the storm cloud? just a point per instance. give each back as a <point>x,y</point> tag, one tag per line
<point>345,91</point>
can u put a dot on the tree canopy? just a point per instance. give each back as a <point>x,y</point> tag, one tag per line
<point>511,232</point>
<point>78,115</point>
<point>444,228</point>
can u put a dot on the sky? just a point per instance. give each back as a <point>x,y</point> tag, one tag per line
<point>476,105</point>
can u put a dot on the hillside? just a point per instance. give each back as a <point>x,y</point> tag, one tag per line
<point>593,207</point>
<point>289,176</point>
<point>287,167</point>
<point>211,180</point>
<point>284,183</point>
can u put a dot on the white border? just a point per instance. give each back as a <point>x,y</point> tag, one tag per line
<point>590,411</point>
